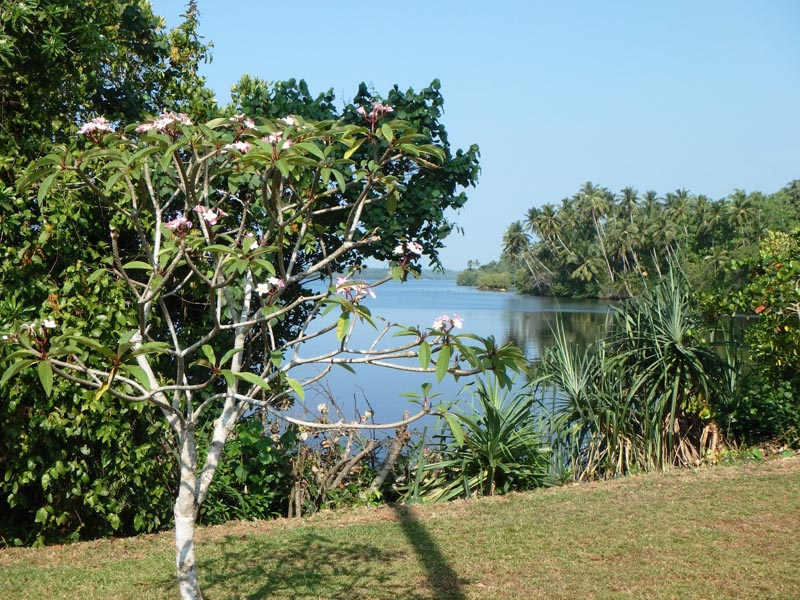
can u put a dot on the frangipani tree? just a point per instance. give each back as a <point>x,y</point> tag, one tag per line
<point>216,229</point>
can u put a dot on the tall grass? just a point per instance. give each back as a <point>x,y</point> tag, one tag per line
<point>641,399</point>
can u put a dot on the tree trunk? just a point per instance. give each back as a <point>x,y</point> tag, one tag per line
<point>186,509</point>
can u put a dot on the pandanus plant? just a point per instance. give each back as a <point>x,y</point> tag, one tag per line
<point>642,398</point>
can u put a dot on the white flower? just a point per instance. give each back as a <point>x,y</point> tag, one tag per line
<point>447,323</point>
<point>97,124</point>
<point>276,438</point>
<point>240,146</point>
<point>49,324</point>
<point>322,408</point>
<point>408,248</point>
<point>304,435</point>
<point>414,248</point>
<point>262,288</point>
<point>289,120</point>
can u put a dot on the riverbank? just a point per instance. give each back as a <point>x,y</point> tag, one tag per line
<point>719,532</point>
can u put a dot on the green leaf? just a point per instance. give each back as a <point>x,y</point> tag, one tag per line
<point>424,354</point>
<point>253,379</point>
<point>228,355</point>
<point>298,389</point>
<point>165,160</point>
<point>41,515</point>
<point>312,148</point>
<point>353,148</point>
<point>391,202</point>
<point>342,326</point>
<point>339,179</point>
<point>139,374</point>
<point>387,132</point>
<point>96,275</point>
<point>45,186</point>
<point>208,351</point>
<point>15,368</point>
<point>455,428</point>
<point>442,363</point>
<point>137,264</point>
<point>45,371</point>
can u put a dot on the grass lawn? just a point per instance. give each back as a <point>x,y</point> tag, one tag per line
<point>724,532</point>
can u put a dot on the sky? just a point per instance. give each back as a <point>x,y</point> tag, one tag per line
<point>655,95</point>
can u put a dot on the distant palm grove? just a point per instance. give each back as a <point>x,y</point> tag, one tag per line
<point>598,243</point>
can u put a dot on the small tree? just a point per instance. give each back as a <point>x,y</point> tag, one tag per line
<point>216,230</point>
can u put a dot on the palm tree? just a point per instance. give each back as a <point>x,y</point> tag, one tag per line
<point>628,203</point>
<point>595,201</point>
<point>516,243</point>
<point>548,227</point>
<point>741,213</point>
<point>679,208</point>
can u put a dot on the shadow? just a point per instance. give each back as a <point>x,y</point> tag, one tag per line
<point>314,563</point>
<point>300,564</point>
<point>443,581</point>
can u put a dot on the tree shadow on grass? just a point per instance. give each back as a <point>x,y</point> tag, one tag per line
<point>443,581</point>
<point>307,563</point>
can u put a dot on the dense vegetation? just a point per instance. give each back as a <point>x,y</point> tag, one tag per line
<point>598,243</point>
<point>731,265</point>
<point>671,386</point>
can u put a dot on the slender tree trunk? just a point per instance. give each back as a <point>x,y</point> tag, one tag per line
<point>186,509</point>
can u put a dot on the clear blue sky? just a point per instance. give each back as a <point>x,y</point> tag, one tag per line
<point>656,95</point>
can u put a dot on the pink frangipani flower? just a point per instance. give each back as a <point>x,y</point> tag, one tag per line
<point>210,215</point>
<point>446,323</point>
<point>352,290</point>
<point>408,248</point>
<point>96,126</point>
<point>239,146</point>
<point>166,123</point>
<point>178,224</point>
<point>378,110</point>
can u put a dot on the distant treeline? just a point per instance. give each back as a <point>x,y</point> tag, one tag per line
<point>598,243</point>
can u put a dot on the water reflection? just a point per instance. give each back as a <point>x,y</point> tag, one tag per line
<point>533,331</point>
<point>527,321</point>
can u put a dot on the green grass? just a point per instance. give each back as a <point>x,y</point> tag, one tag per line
<point>724,532</point>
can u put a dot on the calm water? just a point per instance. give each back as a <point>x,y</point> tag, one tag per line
<point>525,320</point>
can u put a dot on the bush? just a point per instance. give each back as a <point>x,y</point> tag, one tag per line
<point>494,281</point>
<point>493,449</point>
<point>467,278</point>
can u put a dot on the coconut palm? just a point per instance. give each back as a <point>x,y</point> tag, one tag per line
<point>595,202</point>
<point>516,243</point>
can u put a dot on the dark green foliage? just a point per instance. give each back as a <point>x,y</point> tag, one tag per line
<point>75,468</point>
<point>418,213</point>
<point>254,479</point>
<point>765,410</point>
<point>72,466</point>
<point>765,403</point>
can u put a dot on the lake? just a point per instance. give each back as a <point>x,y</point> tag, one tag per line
<point>525,320</point>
